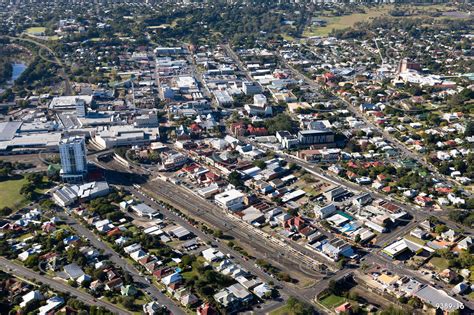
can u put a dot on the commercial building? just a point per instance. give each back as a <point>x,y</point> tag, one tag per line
<point>72,152</point>
<point>232,200</point>
<point>78,104</point>
<point>115,136</point>
<point>312,137</point>
<point>251,88</point>
<point>67,195</point>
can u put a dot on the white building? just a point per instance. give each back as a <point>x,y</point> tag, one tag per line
<point>231,200</point>
<point>72,152</point>
<point>115,136</point>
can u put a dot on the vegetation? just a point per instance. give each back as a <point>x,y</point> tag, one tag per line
<point>6,70</point>
<point>10,192</point>
<point>280,122</point>
<point>299,307</point>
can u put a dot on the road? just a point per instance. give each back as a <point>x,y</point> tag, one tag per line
<point>118,261</point>
<point>58,285</point>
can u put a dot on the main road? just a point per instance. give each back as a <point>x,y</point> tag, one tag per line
<point>25,273</point>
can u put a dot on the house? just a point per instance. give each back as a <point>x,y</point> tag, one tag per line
<point>212,255</point>
<point>132,248</point>
<point>172,278</point>
<point>465,243</point>
<point>206,309</point>
<point>139,254</point>
<point>84,279</point>
<point>153,308</point>
<point>362,200</point>
<point>344,308</point>
<point>460,288</point>
<point>188,299</point>
<point>114,284</point>
<point>448,275</point>
<point>324,212</point>
<point>34,295</point>
<point>423,201</point>
<point>73,271</point>
<point>160,273</point>
<point>51,304</point>
<point>419,233</point>
<point>72,239</point>
<point>233,297</point>
<point>96,285</point>
<point>295,224</point>
<point>427,225</point>
<point>449,235</point>
<point>336,248</point>
<point>128,290</point>
<point>262,291</point>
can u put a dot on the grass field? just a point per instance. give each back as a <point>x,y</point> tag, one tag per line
<point>36,30</point>
<point>284,310</point>
<point>342,22</point>
<point>10,193</point>
<point>332,301</point>
<point>346,21</point>
<point>439,263</point>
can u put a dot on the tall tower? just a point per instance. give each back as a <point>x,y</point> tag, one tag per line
<point>72,151</point>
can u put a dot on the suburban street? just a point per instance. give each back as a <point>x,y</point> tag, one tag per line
<point>117,260</point>
<point>25,273</point>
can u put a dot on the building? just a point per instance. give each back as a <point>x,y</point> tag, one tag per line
<point>313,137</point>
<point>232,200</point>
<point>173,159</point>
<point>143,210</point>
<point>324,212</point>
<point>67,195</point>
<point>116,136</point>
<point>223,98</point>
<point>148,120</point>
<point>72,152</point>
<point>286,139</point>
<point>251,88</point>
<point>336,194</point>
<point>77,103</point>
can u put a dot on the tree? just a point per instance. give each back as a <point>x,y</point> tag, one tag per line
<point>260,164</point>
<point>440,228</point>
<point>5,211</point>
<point>299,307</point>
<point>218,233</point>
<point>392,310</point>
<point>279,122</point>
<point>469,132</point>
<point>32,261</point>
<point>128,302</point>
<point>235,179</point>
